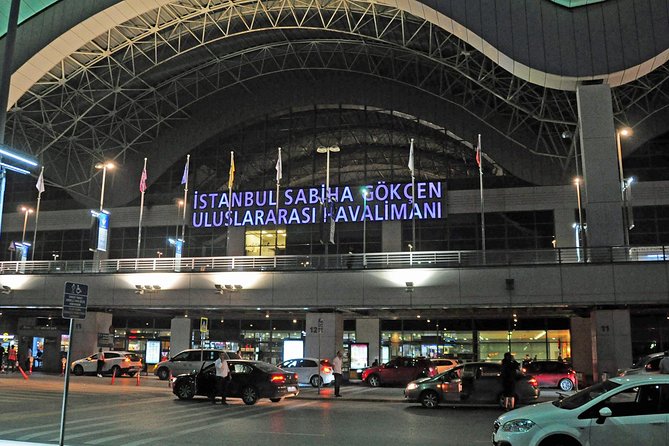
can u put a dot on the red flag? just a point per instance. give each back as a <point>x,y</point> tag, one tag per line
<point>142,181</point>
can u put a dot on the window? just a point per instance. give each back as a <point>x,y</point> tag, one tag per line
<point>210,355</point>
<point>309,363</point>
<point>265,242</point>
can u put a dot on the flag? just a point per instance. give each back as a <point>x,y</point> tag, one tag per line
<point>478,153</point>
<point>40,182</point>
<point>184,178</point>
<point>231,179</point>
<point>142,181</point>
<point>279,169</point>
<point>411,158</point>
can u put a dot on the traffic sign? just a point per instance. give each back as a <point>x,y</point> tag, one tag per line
<point>204,324</point>
<point>75,300</point>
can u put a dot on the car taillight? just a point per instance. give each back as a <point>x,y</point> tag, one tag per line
<point>278,378</point>
<point>327,369</point>
<point>295,376</point>
<point>533,382</point>
<point>126,359</point>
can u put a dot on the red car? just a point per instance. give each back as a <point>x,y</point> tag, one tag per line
<point>400,370</point>
<point>552,374</point>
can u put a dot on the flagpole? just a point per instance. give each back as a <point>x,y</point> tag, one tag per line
<point>413,200</point>
<point>231,180</point>
<point>279,175</point>
<point>141,210</point>
<point>39,199</point>
<point>183,228</point>
<point>480,163</point>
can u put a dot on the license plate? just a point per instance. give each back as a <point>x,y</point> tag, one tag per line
<point>292,389</point>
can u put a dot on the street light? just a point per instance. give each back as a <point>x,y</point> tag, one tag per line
<point>27,211</point>
<point>619,133</point>
<point>365,195</point>
<point>327,151</point>
<point>104,166</point>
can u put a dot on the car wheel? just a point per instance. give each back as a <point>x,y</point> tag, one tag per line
<point>316,381</point>
<point>249,395</point>
<point>184,391</point>
<point>560,440</point>
<point>566,384</point>
<point>275,400</point>
<point>374,380</point>
<point>78,370</point>
<point>132,374</point>
<point>429,399</point>
<point>116,371</point>
<point>163,373</point>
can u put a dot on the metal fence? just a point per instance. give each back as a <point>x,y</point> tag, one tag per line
<point>422,259</point>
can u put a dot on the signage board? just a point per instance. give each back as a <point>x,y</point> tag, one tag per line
<point>75,300</point>
<point>204,324</point>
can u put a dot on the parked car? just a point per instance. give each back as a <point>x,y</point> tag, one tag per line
<point>622,411</point>
<point>116,362</point>
<point>443,364</point>
<point>647,364</point>
<point>400,370</point>
<point>251,380</point>
<point>552,374</point>
<point>189,360</point>
<point>308,371</point>
<point>470,383</point>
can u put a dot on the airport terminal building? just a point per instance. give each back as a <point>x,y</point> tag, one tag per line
<point>387,177</point>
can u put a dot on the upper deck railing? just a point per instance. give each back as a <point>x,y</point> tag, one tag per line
<point>386,260</point>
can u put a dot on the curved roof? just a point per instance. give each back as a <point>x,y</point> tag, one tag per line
<point>115,79</point>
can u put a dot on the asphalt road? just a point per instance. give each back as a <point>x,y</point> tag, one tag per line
<point>99,413</point>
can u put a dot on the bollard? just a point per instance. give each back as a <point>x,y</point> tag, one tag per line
<point>23,373</point>
<point>169,380</point>
<point>113,376</point>
<point>138,373</point>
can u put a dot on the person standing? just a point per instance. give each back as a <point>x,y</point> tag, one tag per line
<point>101,362</point>
<point>664,363</point>
<point>222,379</point>
<point>510,370</point>
<point>11,358</point>
<point>337,362</point>
<point>2,359</point>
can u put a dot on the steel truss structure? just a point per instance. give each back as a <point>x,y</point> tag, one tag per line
<point>116,94</point>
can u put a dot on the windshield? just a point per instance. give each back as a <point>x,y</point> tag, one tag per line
<point>586,395</point>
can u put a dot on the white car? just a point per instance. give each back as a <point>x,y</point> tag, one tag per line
<point>189,360</point>
<point>116,362</point>
<point>623,411</point>
<point>307,370</point>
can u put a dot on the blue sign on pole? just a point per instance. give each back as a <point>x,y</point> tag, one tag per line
<point>75,300</point>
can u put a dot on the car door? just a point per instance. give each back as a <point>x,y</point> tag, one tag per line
<point>291,365</point>
<point>487,384</point>
<point>90,364</point>
<point>388,371</point>
<point>639,416</point>
<point>183,362</point>
<point>309,368</point>
<point>111,359</point>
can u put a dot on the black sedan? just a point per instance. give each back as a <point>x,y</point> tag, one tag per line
<point>251,380</point>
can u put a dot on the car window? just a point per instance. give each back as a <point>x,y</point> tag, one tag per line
<point>309,363</point>
<point>289,363</point>
<point>241,369</point>
<point>586,395</point>
<point>111,355</point>
<point>392,362</point>
<point>642,400</point>
<point>488,370</point>
<point>183,356</point>
<point>209,355</point>
<point>407,362</point>
<point>654,364</point>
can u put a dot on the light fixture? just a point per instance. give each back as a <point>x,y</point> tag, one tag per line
<point>409,287</point>
<point>141,289</point>
<point>220,289</point>
<point>267,315</point>
<point>6,289</point>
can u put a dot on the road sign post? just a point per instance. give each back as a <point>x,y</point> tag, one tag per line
<point>75,304</point>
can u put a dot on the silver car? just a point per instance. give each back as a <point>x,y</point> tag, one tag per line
<point>116,363</point>
<point>647,364</point>
<point>189,360</point>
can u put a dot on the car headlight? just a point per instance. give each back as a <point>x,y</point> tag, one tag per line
<point>518,426</point>
<point>412,386</point>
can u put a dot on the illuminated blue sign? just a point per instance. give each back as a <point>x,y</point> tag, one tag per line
<point>385,202</point>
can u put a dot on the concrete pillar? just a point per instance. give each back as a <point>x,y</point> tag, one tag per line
<point>391,236</point>
<point>600,166</point>
<point>331,338</point>
<point>180,334</point>
<point>84,340</point>
<point>611,341</point>
<point>369,331</point>
<point>581,348</point>
<point>236,241</point>
<point>563,220</point>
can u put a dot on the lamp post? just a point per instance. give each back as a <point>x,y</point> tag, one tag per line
<point>365,196</point>
<point>619,133</point>
<point>104,166</point>
<point>27,211</point>
<point>327,151</point>
<point>581,231</point>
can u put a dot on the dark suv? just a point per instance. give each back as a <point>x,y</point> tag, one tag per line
<point>552,374</point>
<point>400,370</point>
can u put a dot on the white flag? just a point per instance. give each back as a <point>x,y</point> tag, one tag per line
<point>279,168</point>
<point>411,158</point>
<point>40,182</point>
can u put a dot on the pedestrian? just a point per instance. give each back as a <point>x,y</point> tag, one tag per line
<point>376,362</point>
<point>11,358</point>
<point>664,363</point>
<point>336,371</point>
<point>2,359</point>
<point>222,379</point>
<point>510,370</point>
<point>101,362</point>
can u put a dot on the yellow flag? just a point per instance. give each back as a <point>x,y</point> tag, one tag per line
<point>231,179</point>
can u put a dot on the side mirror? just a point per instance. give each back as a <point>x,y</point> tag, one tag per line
<point>604,413</point>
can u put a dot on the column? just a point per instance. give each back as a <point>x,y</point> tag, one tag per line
<point>611,341</point>
<point>391,236</point>
<point>180,334</point>
<point>236,241</point>
<point>600,166</point>
<point>563,220</point>
<point>369,331</point>
<point>84,340</point>
<point>331,338</point>
<point>581,348</point>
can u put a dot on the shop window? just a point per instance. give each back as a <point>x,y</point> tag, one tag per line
<point>265,242</point>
